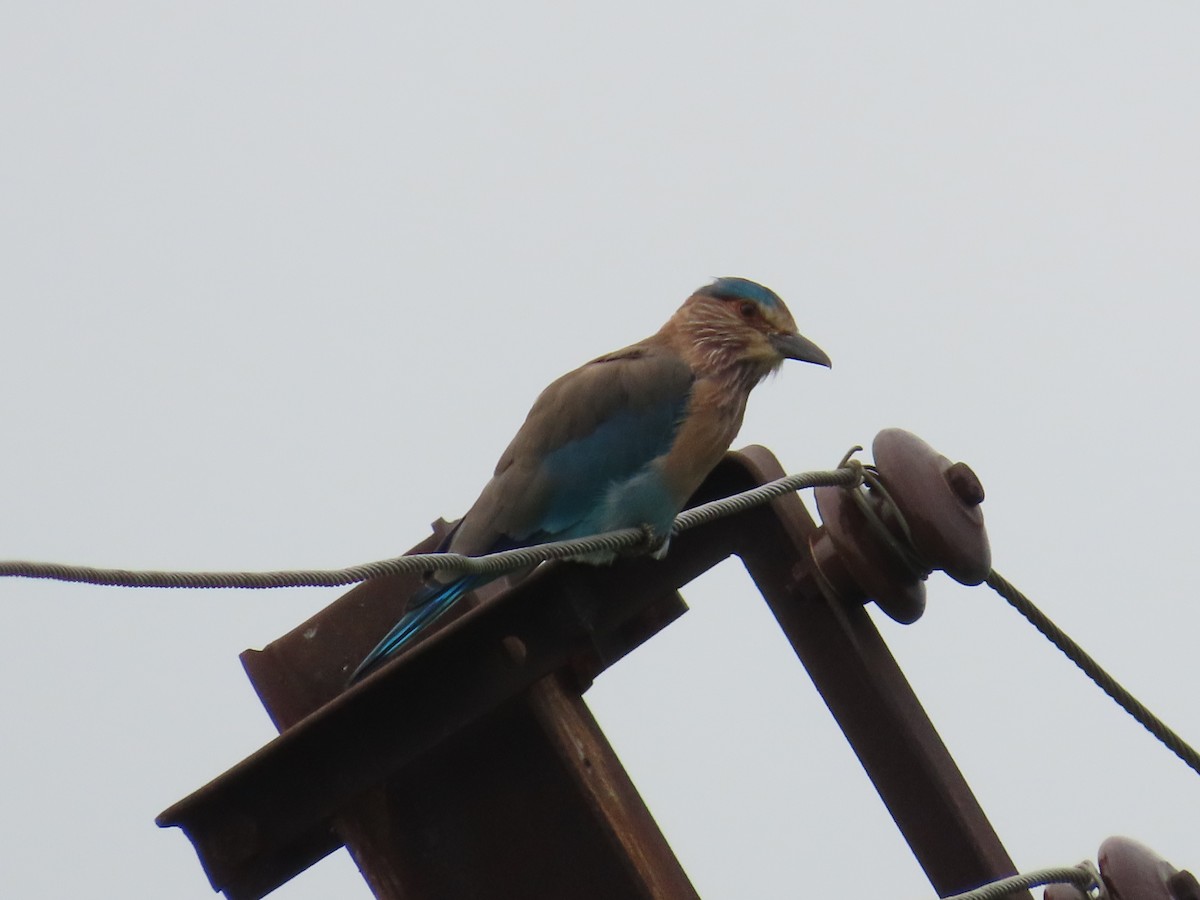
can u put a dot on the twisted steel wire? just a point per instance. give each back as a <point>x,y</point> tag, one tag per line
<point>850,474</point>
<point>1083,876</point>
<point>491,564</point>
<point>1092,669</point>
<point>903,549</point>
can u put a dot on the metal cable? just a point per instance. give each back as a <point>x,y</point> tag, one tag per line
<point>491,564</point>
<point>1091,668</point>
<point>1083,876</point>
<point>850,474</point>
<point>907,555</point>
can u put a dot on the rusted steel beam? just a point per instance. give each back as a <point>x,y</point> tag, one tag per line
<point>349,766</point>
<point>531,802</point>
<point>253,826</point>
<point>871,699</point>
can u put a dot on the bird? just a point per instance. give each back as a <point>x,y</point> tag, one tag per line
<point>622,441</point>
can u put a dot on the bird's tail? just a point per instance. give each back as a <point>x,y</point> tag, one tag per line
<point>426,607</point>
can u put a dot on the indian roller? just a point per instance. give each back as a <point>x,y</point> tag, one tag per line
<point>622,441</point>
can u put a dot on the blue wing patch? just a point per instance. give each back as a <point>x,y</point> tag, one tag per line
<point>584,470</point>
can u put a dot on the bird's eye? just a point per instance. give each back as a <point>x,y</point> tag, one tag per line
<point>748,310</point>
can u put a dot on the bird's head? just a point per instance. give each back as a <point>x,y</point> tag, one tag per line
<point>735,323</point>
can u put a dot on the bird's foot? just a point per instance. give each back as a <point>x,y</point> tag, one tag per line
<point>655,544</point>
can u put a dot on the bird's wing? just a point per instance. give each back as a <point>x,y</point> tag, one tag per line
<point>595,427</point>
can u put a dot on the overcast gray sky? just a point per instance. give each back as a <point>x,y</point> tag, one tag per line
<point>281,280</point>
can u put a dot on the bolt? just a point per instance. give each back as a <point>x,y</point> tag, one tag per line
<point>965,484</point>
<point>515,648</point>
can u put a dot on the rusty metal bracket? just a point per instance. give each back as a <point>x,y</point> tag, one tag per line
<point>352,767</point>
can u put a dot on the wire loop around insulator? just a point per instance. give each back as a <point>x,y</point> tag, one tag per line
<point>900,546</point>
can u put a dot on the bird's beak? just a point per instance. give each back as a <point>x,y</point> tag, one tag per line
<point>796,346</point>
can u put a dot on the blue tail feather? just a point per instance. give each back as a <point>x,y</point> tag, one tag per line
<point>426,607</point>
